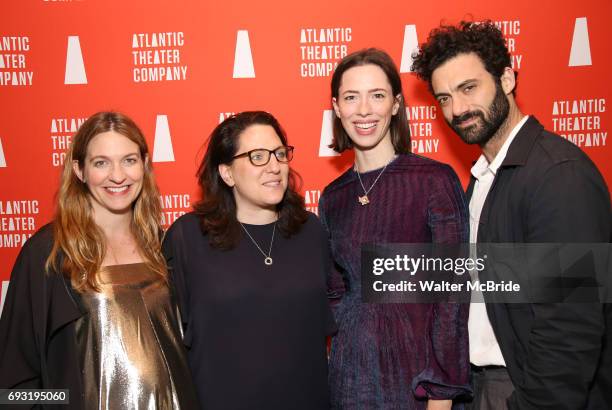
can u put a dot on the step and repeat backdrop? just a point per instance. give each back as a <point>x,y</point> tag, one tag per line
<point>178,68</point>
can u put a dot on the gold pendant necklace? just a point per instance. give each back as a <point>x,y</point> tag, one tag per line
<point>364,200</point>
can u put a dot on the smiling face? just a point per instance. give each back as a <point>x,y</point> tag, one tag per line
<point>365,106</point>
<point>113,171</point>
<point>256,187</point>
<point>474,103</point>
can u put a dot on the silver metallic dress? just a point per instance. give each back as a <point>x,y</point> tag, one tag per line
<point>130,344</point>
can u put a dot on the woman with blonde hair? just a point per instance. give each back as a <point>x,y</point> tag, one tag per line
<point>88,308</point>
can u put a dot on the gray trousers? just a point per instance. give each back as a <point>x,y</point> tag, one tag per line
<point>492,387</point>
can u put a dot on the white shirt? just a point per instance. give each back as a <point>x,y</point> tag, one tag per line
<point>484,349</point>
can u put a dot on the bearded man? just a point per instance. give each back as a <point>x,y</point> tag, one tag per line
<point>528,186</point>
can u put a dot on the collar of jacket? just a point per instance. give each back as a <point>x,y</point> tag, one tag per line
<point>523,143</point>
<point>63,303</point>
<point>519,150</point>
<point>64,309</point>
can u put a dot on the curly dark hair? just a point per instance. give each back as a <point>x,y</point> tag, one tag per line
<point>445,42</point>
<point>400,132</point>
<point>217,209</point>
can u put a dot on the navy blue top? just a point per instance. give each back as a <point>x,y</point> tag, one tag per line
<point>255,334</point>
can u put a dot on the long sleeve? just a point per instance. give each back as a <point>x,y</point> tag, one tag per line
<point>571,204</point>
<point>20,364</point>
<point>446,375</point>
<point>335,282</point>
<point>173,249</point>
<point>331,327</point>
<point>448,212</point>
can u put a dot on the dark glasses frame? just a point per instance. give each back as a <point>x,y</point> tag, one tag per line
<point>288,150</point>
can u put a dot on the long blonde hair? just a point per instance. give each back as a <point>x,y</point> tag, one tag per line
<point>79,244</point>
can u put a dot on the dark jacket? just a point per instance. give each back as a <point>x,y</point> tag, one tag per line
<point>547,190</point>
<point>37,333</point>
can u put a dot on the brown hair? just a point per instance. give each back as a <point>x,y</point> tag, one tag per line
<point>217,209</point>
<point>79,244</point>
<point>400,132</point>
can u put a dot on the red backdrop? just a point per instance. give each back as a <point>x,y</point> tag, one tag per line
<point>179,67</point>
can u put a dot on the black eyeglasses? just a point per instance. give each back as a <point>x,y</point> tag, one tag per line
<point>261,156</point>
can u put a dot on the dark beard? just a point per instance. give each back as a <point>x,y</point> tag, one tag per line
<point>482,131</point>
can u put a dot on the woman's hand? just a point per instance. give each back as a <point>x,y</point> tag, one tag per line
<point>439,404</point>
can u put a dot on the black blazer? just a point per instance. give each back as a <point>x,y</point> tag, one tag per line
<point>37,334</point>
<point>559,356</point>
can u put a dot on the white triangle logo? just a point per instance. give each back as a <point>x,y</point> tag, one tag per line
<point>5,284</point>
<point>225,115</point>
<point>580,54</point>
<point>243,59</point>
<point>327,135</point>
<point>162,146</point>
<point>2,159</point>
<point>411,44</point>
<point>75,69</point>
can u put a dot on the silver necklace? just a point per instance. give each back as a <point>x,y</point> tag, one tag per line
<point>364,200</point>
<point>268,257</point>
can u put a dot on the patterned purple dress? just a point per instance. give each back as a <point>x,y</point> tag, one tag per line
<point>394,356</point>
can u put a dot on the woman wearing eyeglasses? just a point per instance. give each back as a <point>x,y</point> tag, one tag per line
<point>249,266</point>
